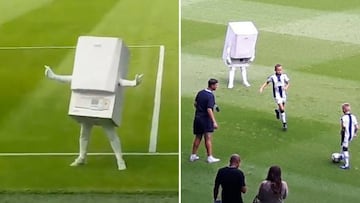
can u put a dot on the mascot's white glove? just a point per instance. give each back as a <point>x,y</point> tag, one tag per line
<point>49,73</point>
<point>60,78</point>
<point>131,83</point>
<point>138,79</point>
<point>228,60</point>
<point>252,58</point>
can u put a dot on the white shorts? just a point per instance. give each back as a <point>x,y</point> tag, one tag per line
<point>280,100</point>
<point>345,142</point>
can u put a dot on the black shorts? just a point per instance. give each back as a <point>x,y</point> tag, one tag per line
<point>202,125</point>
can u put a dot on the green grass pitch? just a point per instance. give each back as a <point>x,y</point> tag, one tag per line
<point>33,116</point>
<point>318,44</point>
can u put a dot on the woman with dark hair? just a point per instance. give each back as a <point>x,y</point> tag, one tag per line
<point>273,189</point>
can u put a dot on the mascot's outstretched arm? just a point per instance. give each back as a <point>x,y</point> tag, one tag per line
<point>131,83</point>
<point>61,78</point>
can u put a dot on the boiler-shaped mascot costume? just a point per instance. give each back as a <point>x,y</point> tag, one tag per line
<point>239,49</point>
<point>97,89</point>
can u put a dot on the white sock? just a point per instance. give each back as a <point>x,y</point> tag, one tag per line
<point>283,117</point>
<point>231,77</point>
<point>346,158</point>
<point>84,139</point>
<point>341,155</point>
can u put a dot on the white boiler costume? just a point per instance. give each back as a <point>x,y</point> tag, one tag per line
<point>97,89</point>
<point>239,49</point>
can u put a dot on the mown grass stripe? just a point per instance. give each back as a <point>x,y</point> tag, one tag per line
<point>323,26</point>
<point>288,20</point>
<point>324,106</point>
<point>13,9</point>
<point>262,14</point>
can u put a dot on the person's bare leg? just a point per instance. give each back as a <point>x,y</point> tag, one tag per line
<point>209,151</point>
<point>283,115</point>
<point>195,147</point>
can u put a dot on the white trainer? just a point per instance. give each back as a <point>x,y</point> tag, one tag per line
<point>121,164</point>
<point>78,161</point>
<point>194,157</point>
<point>212,159</point>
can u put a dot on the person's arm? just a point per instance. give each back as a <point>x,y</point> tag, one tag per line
<point>286,190</point>
<point>342,127</point>
<point>210,106</point>
<point>287,84</point>
<point>243,189</point>
<point>216,186</point>
<point>356,126</point>
<point>263,86</point>
<point>131,83</point>
<point>216,191</point>
<point>212,117</point>
<point>260,195</point>
<point>60,78</point>
<point>356,129</point>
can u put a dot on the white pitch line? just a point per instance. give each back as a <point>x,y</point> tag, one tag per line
<point>91,154</point>
<point>68,47</point>
<point>37,47</point>
<point>156,111</point>
<point>145,46</point>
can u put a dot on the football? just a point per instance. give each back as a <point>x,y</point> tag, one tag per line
<point>335,157</point>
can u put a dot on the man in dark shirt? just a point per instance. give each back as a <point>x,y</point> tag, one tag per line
<point>204,121</point>
<point>232,181</point>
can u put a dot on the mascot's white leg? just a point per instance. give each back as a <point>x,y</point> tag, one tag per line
<point>244,75</point>
<point>231,77</point>
<point>115,145</point>
<point>83,144</point>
